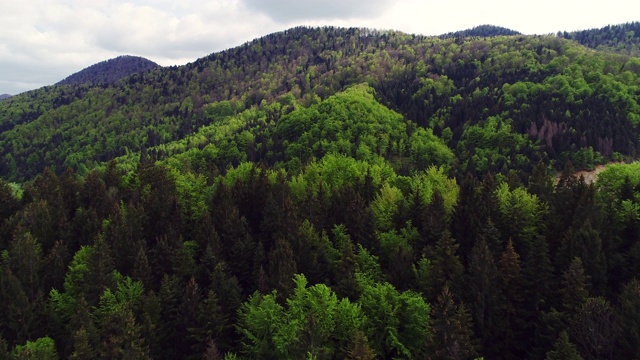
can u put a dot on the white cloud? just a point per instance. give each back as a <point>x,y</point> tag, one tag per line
<point>287,11</point>
<point>44,41</point>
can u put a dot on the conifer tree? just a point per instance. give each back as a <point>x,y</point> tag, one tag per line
<point>359,348</point>
<point>483,294</point>
<point>629,315</point>
<point>467,221</point>
<point>563,349</point>
<point>452,329</point>
<point>510,320</point>
<point>446,268</point>
<point>575,286</point>
<point>594,329</point>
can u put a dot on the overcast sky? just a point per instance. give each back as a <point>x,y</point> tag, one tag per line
<point>44,41</point>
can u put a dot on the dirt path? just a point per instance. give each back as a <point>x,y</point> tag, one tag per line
<point>590,176</point>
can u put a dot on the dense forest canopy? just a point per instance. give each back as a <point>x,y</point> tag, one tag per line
<point>482,31</point>
<point>553,99</point>
<point>110,71</point>
<point>623,38</point>
<point>328,193</point>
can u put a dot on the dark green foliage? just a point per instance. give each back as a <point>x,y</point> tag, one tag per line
<point>629,317</point>
<point>109,71</point>
<point>563,349</point>
<point>623,38</point>
<point>482,31</point>
<point>452,327</point>
<point>594,329</point>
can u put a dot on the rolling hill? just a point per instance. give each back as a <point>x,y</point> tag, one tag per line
<point>564,101</point>
<point>621,38</point>
<point>109,71</point>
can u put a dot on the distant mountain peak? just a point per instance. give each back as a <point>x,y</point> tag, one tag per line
<point>4,96</point>
<point>109,71</point>
<point>485,30</point>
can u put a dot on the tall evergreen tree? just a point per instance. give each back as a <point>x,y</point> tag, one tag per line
<point>483,293</point>
<point>446,268</point>
<point>563,349</point>
<point>629,316</point>
<point>452,329</point>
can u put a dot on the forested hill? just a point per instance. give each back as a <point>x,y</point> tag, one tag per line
<point>109,71</point>
<point>482,31</point>
<point>623,38</point>
<point>544,96</point>
<point>328,193</point>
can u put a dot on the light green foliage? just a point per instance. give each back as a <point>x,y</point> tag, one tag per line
<point>521,212</point>
<point>385,207</point>
<point>617,186</point>
<point>438,85</point>
<point>193,193</point>
<point>492,141</point>
<point>611,180</point>
<point>369,265</point>
<point>335,171</point>
<point>351,122</point>
<point>428,181</point>
<point>427,149</point>
<point>73,284</point>
<point>313,322</point>
<point>41,349</point>
<point>397,324</point>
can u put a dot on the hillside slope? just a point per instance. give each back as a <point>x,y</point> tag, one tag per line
<point>622,38</point>
<point>500,102</point>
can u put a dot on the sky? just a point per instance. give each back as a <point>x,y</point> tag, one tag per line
<point>44,41</point>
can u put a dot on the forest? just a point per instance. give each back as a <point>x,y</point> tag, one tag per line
<point>110,71</point>
<point>329,193</point>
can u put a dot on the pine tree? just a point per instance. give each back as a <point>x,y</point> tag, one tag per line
<point>563,349</point>
<point>452,329</point>
<point>436,222</point>
<point>594,329</point>
<point>282,267</point>
<point>467,220</point>
<point>575,286</point>
<point>540,182</point>
<point>446,268</point>
<point>25,260</point>
<point>629,315</point>
<point>538,281</point>
<point>482,295</point>
<point>83,348</point>
<point>510,319</point>
<point>359,348</point>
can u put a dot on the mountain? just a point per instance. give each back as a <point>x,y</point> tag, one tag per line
<point>552,97</point>
<point>622,38</point>
<point>109,71</point>
<point>482,31</point>
<point>328,193</point>
<point>4,96</point>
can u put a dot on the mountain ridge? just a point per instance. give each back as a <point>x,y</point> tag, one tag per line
<point>444,84</point>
